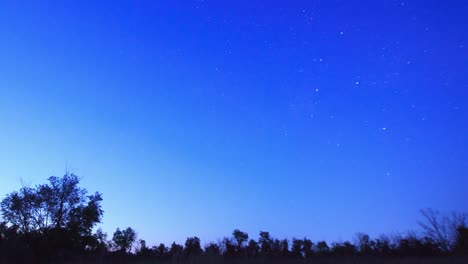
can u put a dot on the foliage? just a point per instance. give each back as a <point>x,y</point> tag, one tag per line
<point>54,222</point>
<point>52,219</point>
<point>241,238</point>
<point>124,239</point>
<point>193,247</point>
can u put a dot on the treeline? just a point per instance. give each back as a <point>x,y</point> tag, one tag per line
<point>54,223</point>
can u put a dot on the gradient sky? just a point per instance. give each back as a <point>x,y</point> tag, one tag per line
<point>301,118</point>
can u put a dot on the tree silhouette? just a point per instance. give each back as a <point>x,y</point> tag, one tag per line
<point>212,250</point>
<point>252,249</point>
<point>382,246</point>
<point>442,229</point>
<point>284,248</point>
<point>124,239</point>
<point>230,249</point>
<point>276,248</point>
<point>176,250</point>
<point>323,248</point>
<point>54,222</point>
<point>101,244</point>
<point>343,249</point>
<point>18,209</point>
<point>364,244</point>
<point>63,198</point>
<point>144,250</point>
<point>296,248</point>
<point>308,247</point>
<point>461,242</point>
<point>266,243</point>
<point>240,238</point>
<point>55,218</point>
<point>193,247</point>
<point>59,204</point>
<point>161,251</point>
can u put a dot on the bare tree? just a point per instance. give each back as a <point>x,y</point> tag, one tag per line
<point>442,229</point>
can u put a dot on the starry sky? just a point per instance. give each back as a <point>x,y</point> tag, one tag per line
<point>193,118</point>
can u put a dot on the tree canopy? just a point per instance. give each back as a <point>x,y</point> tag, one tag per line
<point>59,214</point>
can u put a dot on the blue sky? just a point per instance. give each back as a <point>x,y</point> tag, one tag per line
<point>305,118</point>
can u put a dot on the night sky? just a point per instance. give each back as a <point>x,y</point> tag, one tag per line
<point>301,118</point>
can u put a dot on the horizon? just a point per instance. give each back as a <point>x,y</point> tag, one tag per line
<point>304,119</point>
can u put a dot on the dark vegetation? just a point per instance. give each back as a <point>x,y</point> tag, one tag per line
<point>56,223</point>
